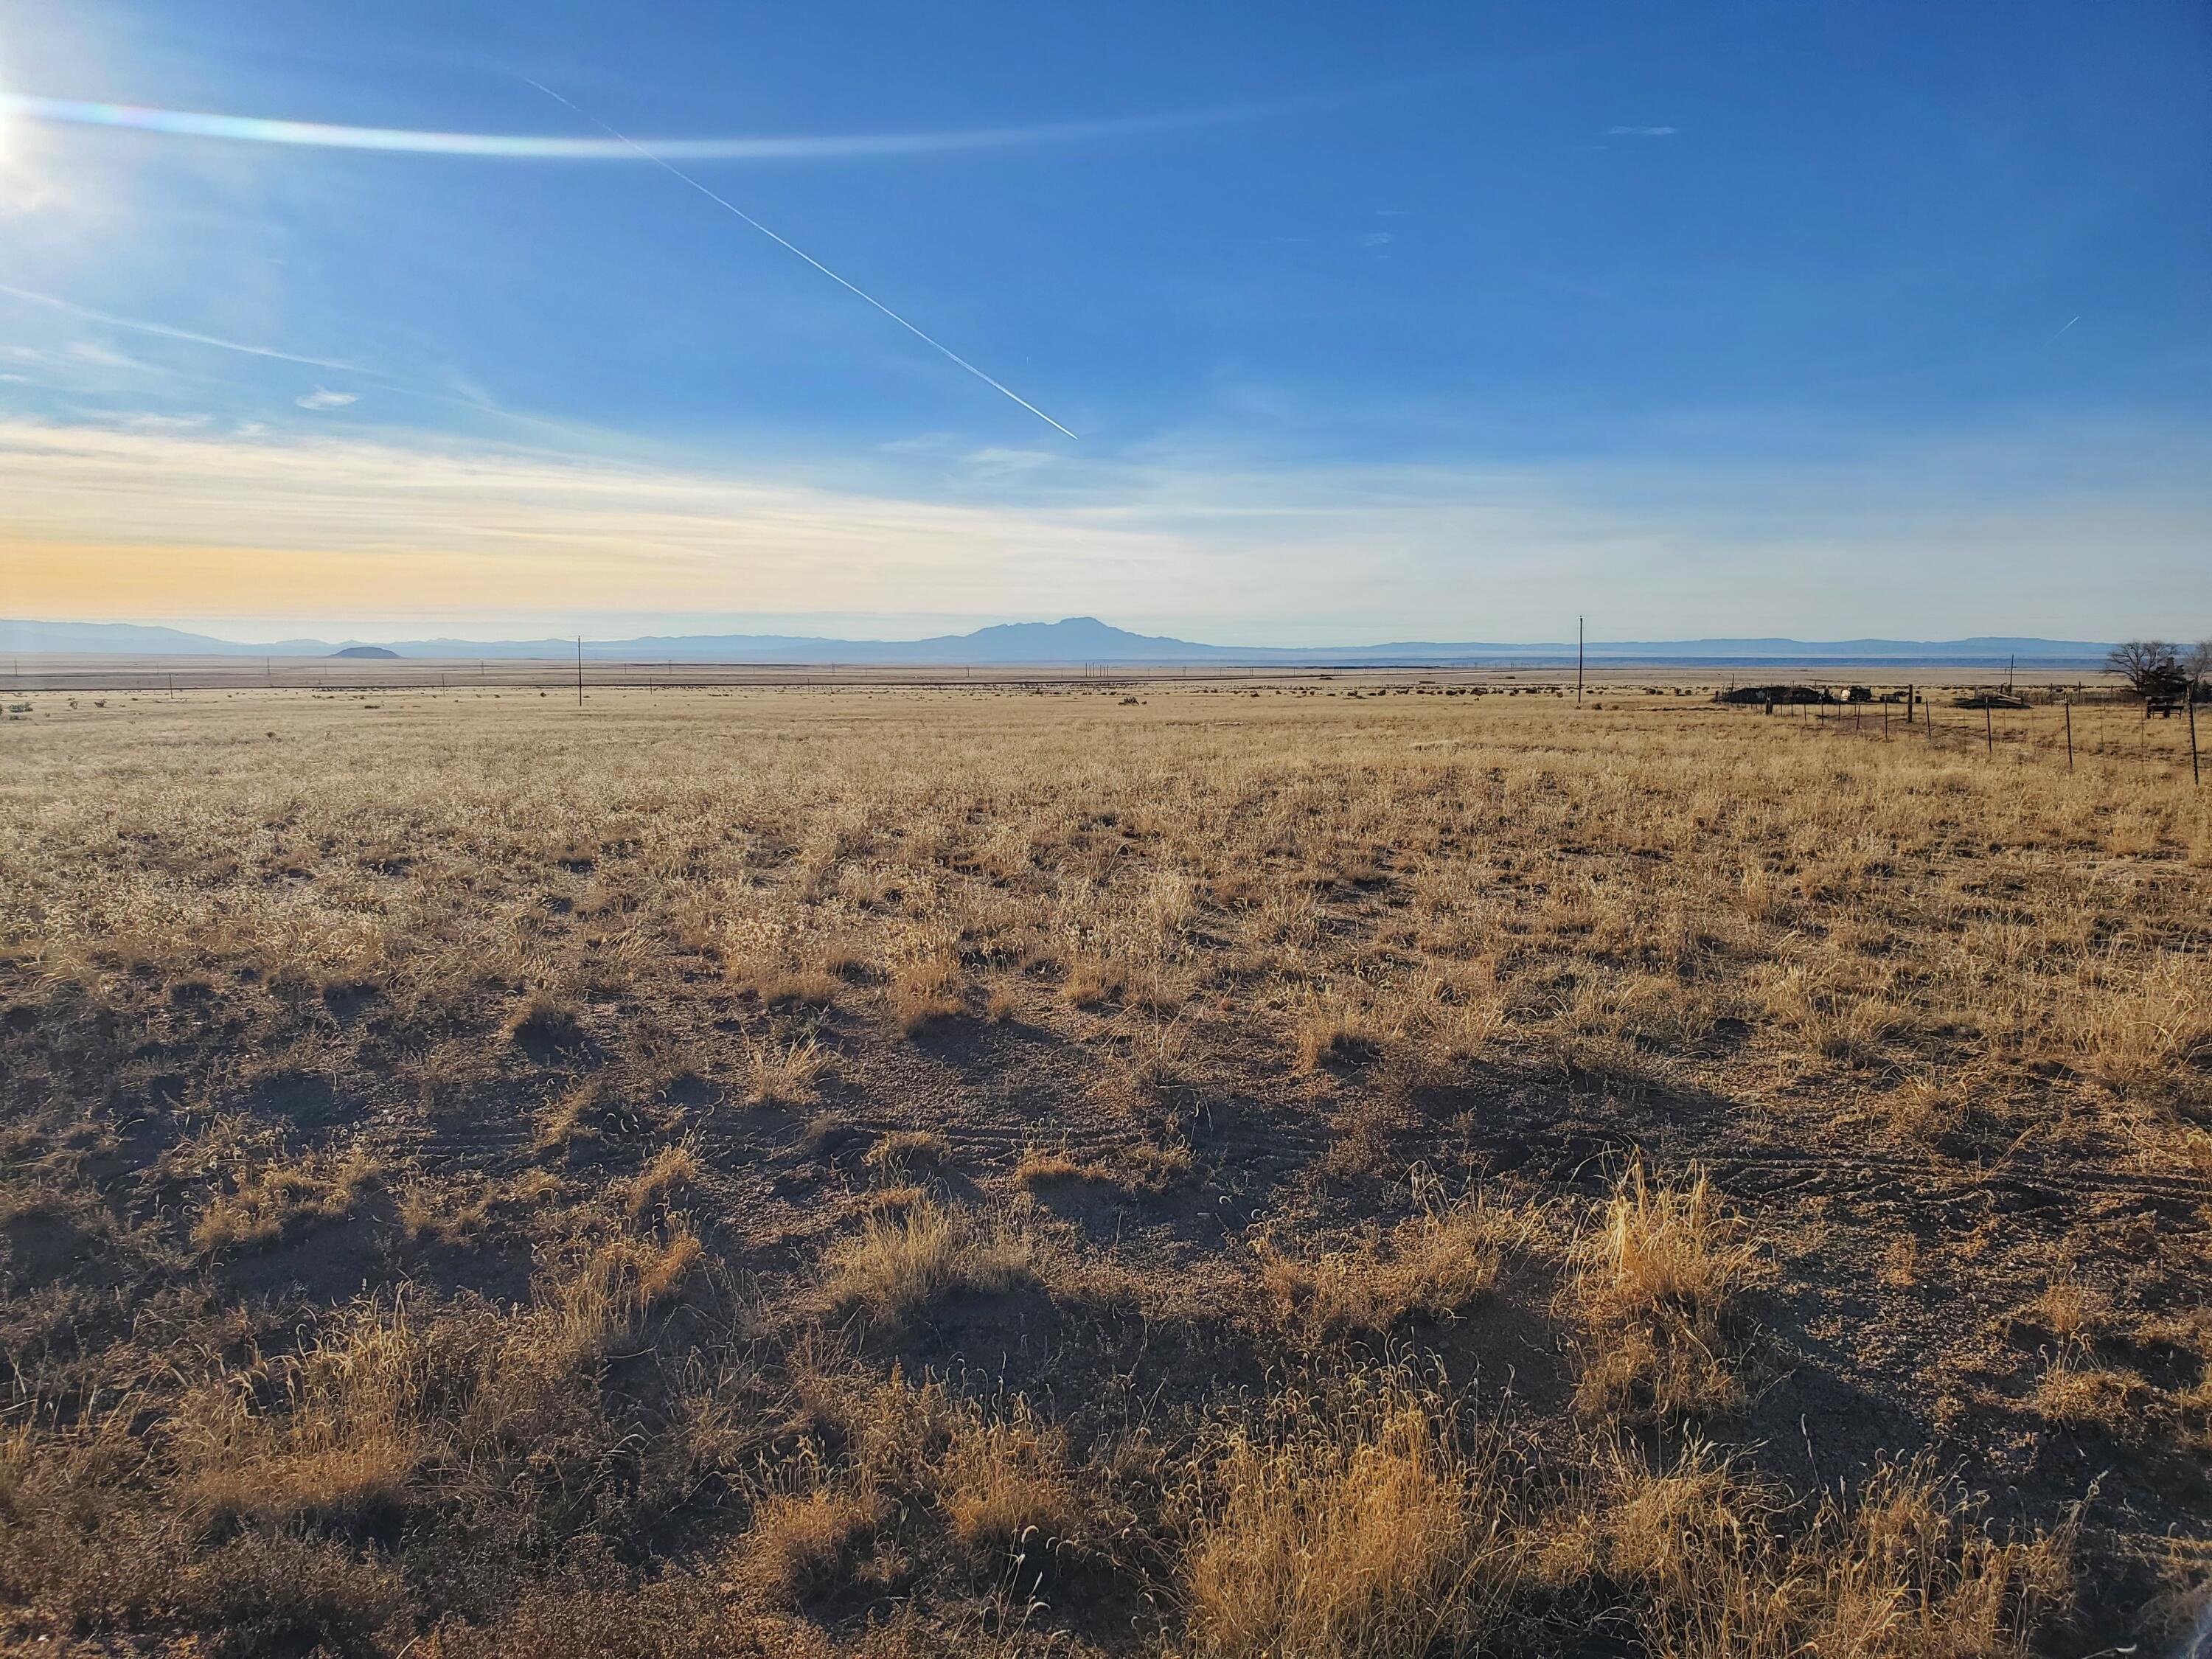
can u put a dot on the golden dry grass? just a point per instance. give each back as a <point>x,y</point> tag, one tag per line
<point>1660,1274</point>
<point>1253,1170</point>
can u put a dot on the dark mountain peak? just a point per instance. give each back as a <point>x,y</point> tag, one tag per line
<point>1067,627</point>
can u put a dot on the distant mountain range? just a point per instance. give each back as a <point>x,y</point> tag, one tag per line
<point>1076,639</point>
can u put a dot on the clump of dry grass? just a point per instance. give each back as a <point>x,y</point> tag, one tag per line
<point>925,988</point>
<point>1903,1570</point>
<point>1041,1165</point>
<point>1332,1030</point>
<point>908,1152</point>
<point>784,1074</point>
<point>427,1212</point>
<point>672,1170</point>
<point>1656,1294</point>
<point>2144,1031</point>
<point>2071,1310</point>
<point>785,987</point>
<point>1006,1487</point>
<point>898,1264</point>
<point>1151,1168</point>
<point>342,1450</point>
<point>1142,1169</point>
<point>548,1013</point>
<point>277,1200</point>
<point>1433,1265</point>
<point>2081,1393</point>
<point>1159,1057</point>
<point>662,1267</point>
<point>570,1117</point>
<point>805,1543</point>
<point>1374,1533</point>
<point>1089,981</point>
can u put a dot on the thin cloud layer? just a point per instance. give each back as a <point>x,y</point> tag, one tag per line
<point>161,330</point>
<point>166,524</point>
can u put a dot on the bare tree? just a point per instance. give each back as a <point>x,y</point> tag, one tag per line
<point>2152,668</point>
<point>2197,664</point>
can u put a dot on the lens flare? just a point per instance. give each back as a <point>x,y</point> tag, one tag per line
<point>524,147</point>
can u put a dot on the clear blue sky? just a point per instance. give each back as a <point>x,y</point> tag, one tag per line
<point>1415,321</point>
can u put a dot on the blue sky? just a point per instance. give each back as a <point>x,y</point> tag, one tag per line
<point>1419,321</point>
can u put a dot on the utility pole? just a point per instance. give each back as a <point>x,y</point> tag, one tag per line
<point>580,671</point>
<point>1579,662</point>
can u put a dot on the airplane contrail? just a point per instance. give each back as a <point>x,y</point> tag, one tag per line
<point>731,207</point>
<point>138,326</point>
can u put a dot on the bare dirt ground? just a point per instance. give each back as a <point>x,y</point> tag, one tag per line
<point>1323,1167</point>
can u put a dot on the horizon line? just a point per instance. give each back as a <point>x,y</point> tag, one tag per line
<point>297,644</point>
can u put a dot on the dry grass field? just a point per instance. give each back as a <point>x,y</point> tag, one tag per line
<point>1197,1171</point>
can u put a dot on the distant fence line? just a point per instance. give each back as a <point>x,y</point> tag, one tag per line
<point>2105,724</point>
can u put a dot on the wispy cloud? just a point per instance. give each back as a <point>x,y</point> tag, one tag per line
<point>162,330</point>
<point>101,356</point>
<point>1641,132</point>
<point>323,397</point>
<point>100,522</point>
<point>996,461</point>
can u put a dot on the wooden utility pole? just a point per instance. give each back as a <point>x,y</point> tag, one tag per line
<point>1989,729</point>
<point>580,671</point>
<point>2069,734</point>
<point>1579,662</point>
<point>2195,777</point>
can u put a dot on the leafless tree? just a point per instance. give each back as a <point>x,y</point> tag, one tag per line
<point>2197,664</point>
<point>2152,668</point>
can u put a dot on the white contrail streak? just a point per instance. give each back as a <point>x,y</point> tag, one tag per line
<point>165,333</point>
<point>731,207</point>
